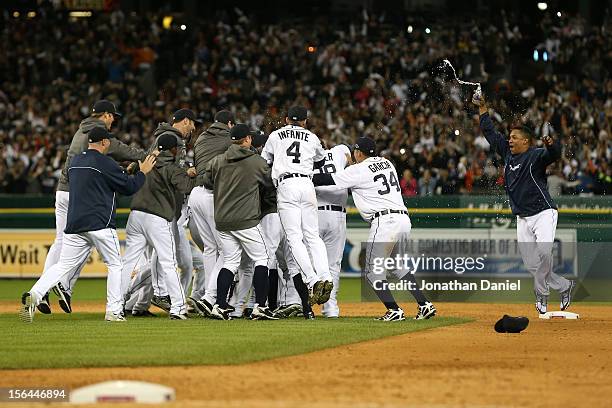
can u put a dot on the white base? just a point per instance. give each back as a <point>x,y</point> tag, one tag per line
<point>122,392</point>
<point>559,315</point>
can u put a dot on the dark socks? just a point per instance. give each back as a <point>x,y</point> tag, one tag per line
<point>224,282</point>
<point>415,292</point>
<point>261,284</point>
<point>386,296</point>
<point>302,290</point>
<point>273,289</point>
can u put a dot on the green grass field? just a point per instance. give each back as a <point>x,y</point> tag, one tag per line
<point>86,340</point>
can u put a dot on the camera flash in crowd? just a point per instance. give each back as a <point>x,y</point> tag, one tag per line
<point>409,29</point>
<point>427,30</point>
<point>456,132</point>
<point>183,27</point>
<point>542,6</point>
<point>311,48</point>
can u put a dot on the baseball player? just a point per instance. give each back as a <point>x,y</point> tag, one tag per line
<point>535,211</point>
<point>331,203</point>
<point>103,114</point>
<point>238,178</point>
<point>293,152</point>
<point>95,180</point>
<point>212,142</point>
<point>375,187</point>
<point>153,210</point>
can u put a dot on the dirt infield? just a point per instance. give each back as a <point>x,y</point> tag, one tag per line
<point>552,363</point>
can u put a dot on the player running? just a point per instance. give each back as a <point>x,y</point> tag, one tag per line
<point>95,180</point>
<point>376,191</point>
<point>536,212</point>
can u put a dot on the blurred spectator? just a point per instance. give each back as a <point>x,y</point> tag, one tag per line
<point>380,81</point>
<point>408,184</point>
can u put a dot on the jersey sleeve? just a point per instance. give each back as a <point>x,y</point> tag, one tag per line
<point>351,177</point>
<point>319,152</point>
<point>550,154</point>
<point>268,151</point>
<point>340,151</point>
<point>497,141</point>
<point>120,182</point>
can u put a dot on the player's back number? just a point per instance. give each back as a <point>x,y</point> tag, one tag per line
<point>387,184</point>
<point>294,151</point>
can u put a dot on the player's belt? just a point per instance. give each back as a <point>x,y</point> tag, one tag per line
<point>332,208</point>
<point>291,175</point>
<point>385,212</point>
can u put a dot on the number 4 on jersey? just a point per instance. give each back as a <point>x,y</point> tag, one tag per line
<point>294,151</point>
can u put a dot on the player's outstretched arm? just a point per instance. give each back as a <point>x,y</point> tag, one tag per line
<point>497,141</point>
<point>122,152</point>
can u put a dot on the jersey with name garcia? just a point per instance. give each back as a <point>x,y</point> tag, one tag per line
<point>292,149</point>
<point>335,162</point>
<point>374,185</point>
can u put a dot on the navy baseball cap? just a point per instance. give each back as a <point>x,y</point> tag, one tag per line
<point>166,142</point>
<point>366,145</point>
<point>225,116</point>
<point>99,133</point>
<point>259,138</point>
<point>105,106</point>
<point>240,131</point>
<point>297,113</point>
<point>185,113</point>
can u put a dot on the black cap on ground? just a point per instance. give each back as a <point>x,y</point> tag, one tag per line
<point>297,113</point>
<point>185,113</point>
<point>366,145</point>
<point>224,116</point>
<point>240,131</point>
<point>105,106</point>
<point>510,324</point>
<point>166,142</point>
<point>98,133</point>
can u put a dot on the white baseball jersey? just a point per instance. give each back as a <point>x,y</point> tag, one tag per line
<point>335,162</point>
<point>374,184</point>
<point>292,149</point>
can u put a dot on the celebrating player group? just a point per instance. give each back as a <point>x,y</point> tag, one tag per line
<point>266,216</point>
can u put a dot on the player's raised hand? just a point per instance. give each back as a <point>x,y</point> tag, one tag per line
<point>192,172</point>
<point>547,140</point>
<point>148,163</point>
<point>478,98</point>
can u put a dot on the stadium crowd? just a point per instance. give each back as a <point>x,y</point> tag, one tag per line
<point>374,78</point>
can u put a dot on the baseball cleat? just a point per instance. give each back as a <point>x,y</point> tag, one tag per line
<point>426,311</point>
<point>163,302</point>
<point>64,298</point>
<point>142,313</point>
<point>263,313</point>
<point>566,296</point>
<point>26,313</point>
<point>44,306</point>
<point>202,306</point>
<point>309,315</point>
<point>114,317</point>
<point>246,314</point>
<point>220,314</point>
<point>541,304</point>
<point>392,315</point>
<point>288,310</point>
<point>179,316</point>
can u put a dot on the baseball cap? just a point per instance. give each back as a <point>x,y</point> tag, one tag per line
<point>105,106</point>
<point>185,113</point>
<point>225,116</point>
<point>366,145</point>
<point>166,142</point>
<point>240,131</point>
<point>297,113</point>
<point>259,138</point>
<point>97,134</point>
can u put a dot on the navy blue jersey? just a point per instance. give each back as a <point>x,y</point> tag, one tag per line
<point>95,180</point>
<point>524,173</point>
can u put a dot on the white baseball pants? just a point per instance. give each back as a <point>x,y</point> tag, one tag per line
<point>73,256</point>
<point>332,229</point>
